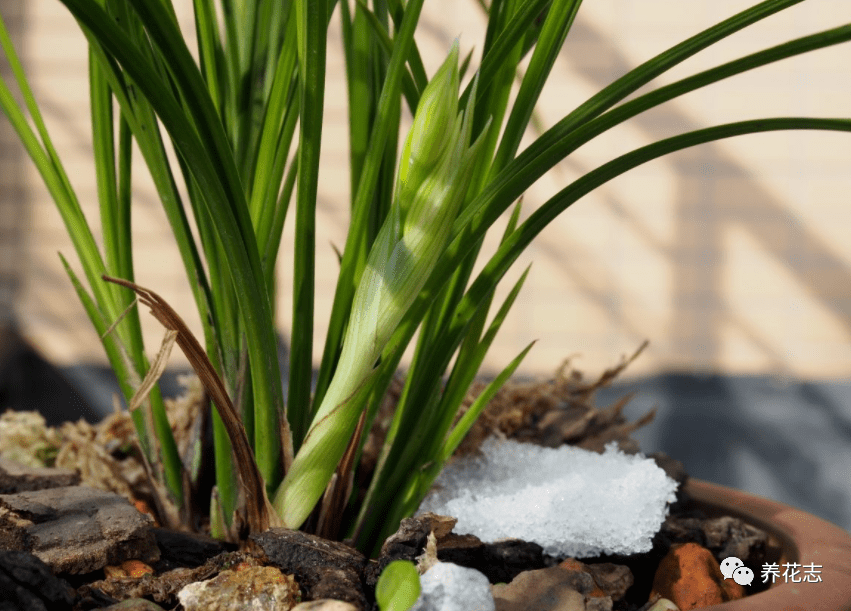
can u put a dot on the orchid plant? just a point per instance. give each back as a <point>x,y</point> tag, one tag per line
<point>417,225</point>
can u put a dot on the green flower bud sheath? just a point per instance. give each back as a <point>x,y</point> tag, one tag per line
<point>434,176</point>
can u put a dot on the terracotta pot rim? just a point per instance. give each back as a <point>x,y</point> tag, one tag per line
<point>805,539</point>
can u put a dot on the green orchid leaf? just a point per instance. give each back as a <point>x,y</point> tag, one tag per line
<point>398,586</point>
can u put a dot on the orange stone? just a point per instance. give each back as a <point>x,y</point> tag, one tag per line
<point>136,568</point>
<point>690,576</point>
<point>142,507</point>
<point>129,568</point>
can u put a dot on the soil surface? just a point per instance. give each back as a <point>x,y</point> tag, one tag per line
<point>550,413</point>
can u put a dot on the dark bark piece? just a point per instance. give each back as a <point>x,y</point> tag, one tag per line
<point>728,536</point>
<point>677,529</point>
<point>26,584</point>
<point>15,477</point>
<point>315,562</point>
<point>180,549</point>
<point>88,599</point>
<point>463,550</point>
<point>339,584</point>
<point>288,549</point>
<point>76,529</point>
<point>504,560</point>
<point>409,542</point>
<point>500,561</point>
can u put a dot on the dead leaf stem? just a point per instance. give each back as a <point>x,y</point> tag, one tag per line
<point>259,512</point>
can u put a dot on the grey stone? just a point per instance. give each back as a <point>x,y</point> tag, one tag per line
<point>15,477</point>
<point>76,529</point>
<point>603,603</point>
<point>552,589</point>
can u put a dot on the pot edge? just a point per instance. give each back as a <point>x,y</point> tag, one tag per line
<point>806,540</point>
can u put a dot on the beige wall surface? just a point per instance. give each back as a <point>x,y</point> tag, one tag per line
<point>729,257</point>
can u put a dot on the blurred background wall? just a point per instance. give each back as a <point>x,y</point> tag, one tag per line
<point>731,258</point>
<point>14,192</point>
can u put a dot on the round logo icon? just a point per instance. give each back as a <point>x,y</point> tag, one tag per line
<point>729,565</point>
<point>743,576</point>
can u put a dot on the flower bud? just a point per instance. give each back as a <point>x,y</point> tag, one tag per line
<point>433,124</point>
<point>437,166</point>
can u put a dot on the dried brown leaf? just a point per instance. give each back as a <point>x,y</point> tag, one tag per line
<point>155,371</point>
<point>259,512</point>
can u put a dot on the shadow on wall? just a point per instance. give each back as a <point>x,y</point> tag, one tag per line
<point>790,442</point>
<point>14,200</point>
<point>714,194</point>
<point>28,382</point>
